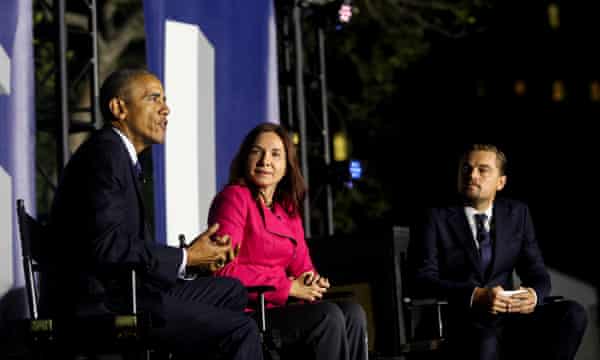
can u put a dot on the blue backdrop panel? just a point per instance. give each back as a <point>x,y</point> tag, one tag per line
<point>17,137</point>
<point>239,33</point>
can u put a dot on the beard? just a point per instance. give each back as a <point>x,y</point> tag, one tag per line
<point>471,194</point>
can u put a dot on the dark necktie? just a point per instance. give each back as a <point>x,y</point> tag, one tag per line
<point>138,171</point>
<point>485,242</point>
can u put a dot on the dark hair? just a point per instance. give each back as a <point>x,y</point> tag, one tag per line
<point>117,85</point>
<point>500,157</point>
<point>291,189</point>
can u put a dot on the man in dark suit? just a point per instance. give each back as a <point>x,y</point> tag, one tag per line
<point>467,254</point>
<point>98,225</point>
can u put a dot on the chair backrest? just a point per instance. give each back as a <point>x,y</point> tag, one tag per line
<point>400,241</point>
<point>420,321</point>
<point>30,230</point>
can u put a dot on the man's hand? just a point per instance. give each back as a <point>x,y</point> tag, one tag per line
<point>309,286</point>
<point>495,301</point>
<point>523,303</point>
<point>210,251</point>
<point>491,300</point>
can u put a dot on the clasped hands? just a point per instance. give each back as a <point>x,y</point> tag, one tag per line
<point>309,286</point>
<point>211,251</point>
<point>496,301</point>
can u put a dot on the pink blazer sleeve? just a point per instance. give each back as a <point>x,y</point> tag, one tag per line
<point>229,210</point>
<point>237,214</point>
<point>302,261</point>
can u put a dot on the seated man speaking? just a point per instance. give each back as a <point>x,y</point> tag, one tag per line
<point>98,225</point>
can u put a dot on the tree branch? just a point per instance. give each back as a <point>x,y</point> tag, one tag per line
<point>77,20</point>
<point>108,14</point>
<point>132,30</point>
<point>435,27</point>
<point>431,5</point>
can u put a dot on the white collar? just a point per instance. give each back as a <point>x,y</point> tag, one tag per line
<point>128,145</point>
<point>471,211</point>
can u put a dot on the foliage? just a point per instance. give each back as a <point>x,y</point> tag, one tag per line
<point>358,205</point>
<point>120,42</point>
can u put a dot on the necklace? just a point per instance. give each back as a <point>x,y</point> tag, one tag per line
<point>267,203</point>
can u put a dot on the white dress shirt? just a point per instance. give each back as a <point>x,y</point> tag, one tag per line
<point>470,212</point>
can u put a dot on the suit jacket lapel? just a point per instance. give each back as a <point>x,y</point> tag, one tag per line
<point>501,215</point>
<point>132,172</point>
<point>132,176</point>
<point>138,190</point>
<point>138,186</point>
<point>462,231</point>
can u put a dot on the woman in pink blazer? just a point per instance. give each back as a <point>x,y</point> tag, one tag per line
<point>260,211</point>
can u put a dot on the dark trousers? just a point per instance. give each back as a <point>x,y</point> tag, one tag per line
<point>321,331</point>
<point>552,331</point>
<point>205,316</point>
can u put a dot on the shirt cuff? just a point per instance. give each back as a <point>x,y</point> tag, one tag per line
<point>182,273</point>
<point>472,297</point>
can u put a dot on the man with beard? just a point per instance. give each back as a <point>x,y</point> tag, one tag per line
<point>467,254</point>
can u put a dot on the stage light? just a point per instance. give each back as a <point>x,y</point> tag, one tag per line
<point>295,138</point>
<point>554,16</point>
<point>345,173</point>
<point>345,12</point>
<point>355,169</point>
<point>340,146</point>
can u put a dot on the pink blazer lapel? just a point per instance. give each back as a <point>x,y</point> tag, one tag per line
<point>278,223</point>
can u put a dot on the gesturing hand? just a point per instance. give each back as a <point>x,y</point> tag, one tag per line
<point>210,251</point>
<point>309,286</point>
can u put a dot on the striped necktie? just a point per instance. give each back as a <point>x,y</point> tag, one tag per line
<point>485,242</point>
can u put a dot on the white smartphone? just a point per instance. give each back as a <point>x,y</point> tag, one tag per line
<point>512,292</point>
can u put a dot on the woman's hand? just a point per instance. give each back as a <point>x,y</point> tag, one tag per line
<point>309,286</point>
<point>321,281</point>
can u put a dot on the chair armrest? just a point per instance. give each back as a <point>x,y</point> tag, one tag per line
<point>259,289</point>
<point>127,270</point>
<point>552,299</point>
<point>424,302</point>
<point>261,308</point>
<point>417,306</point>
